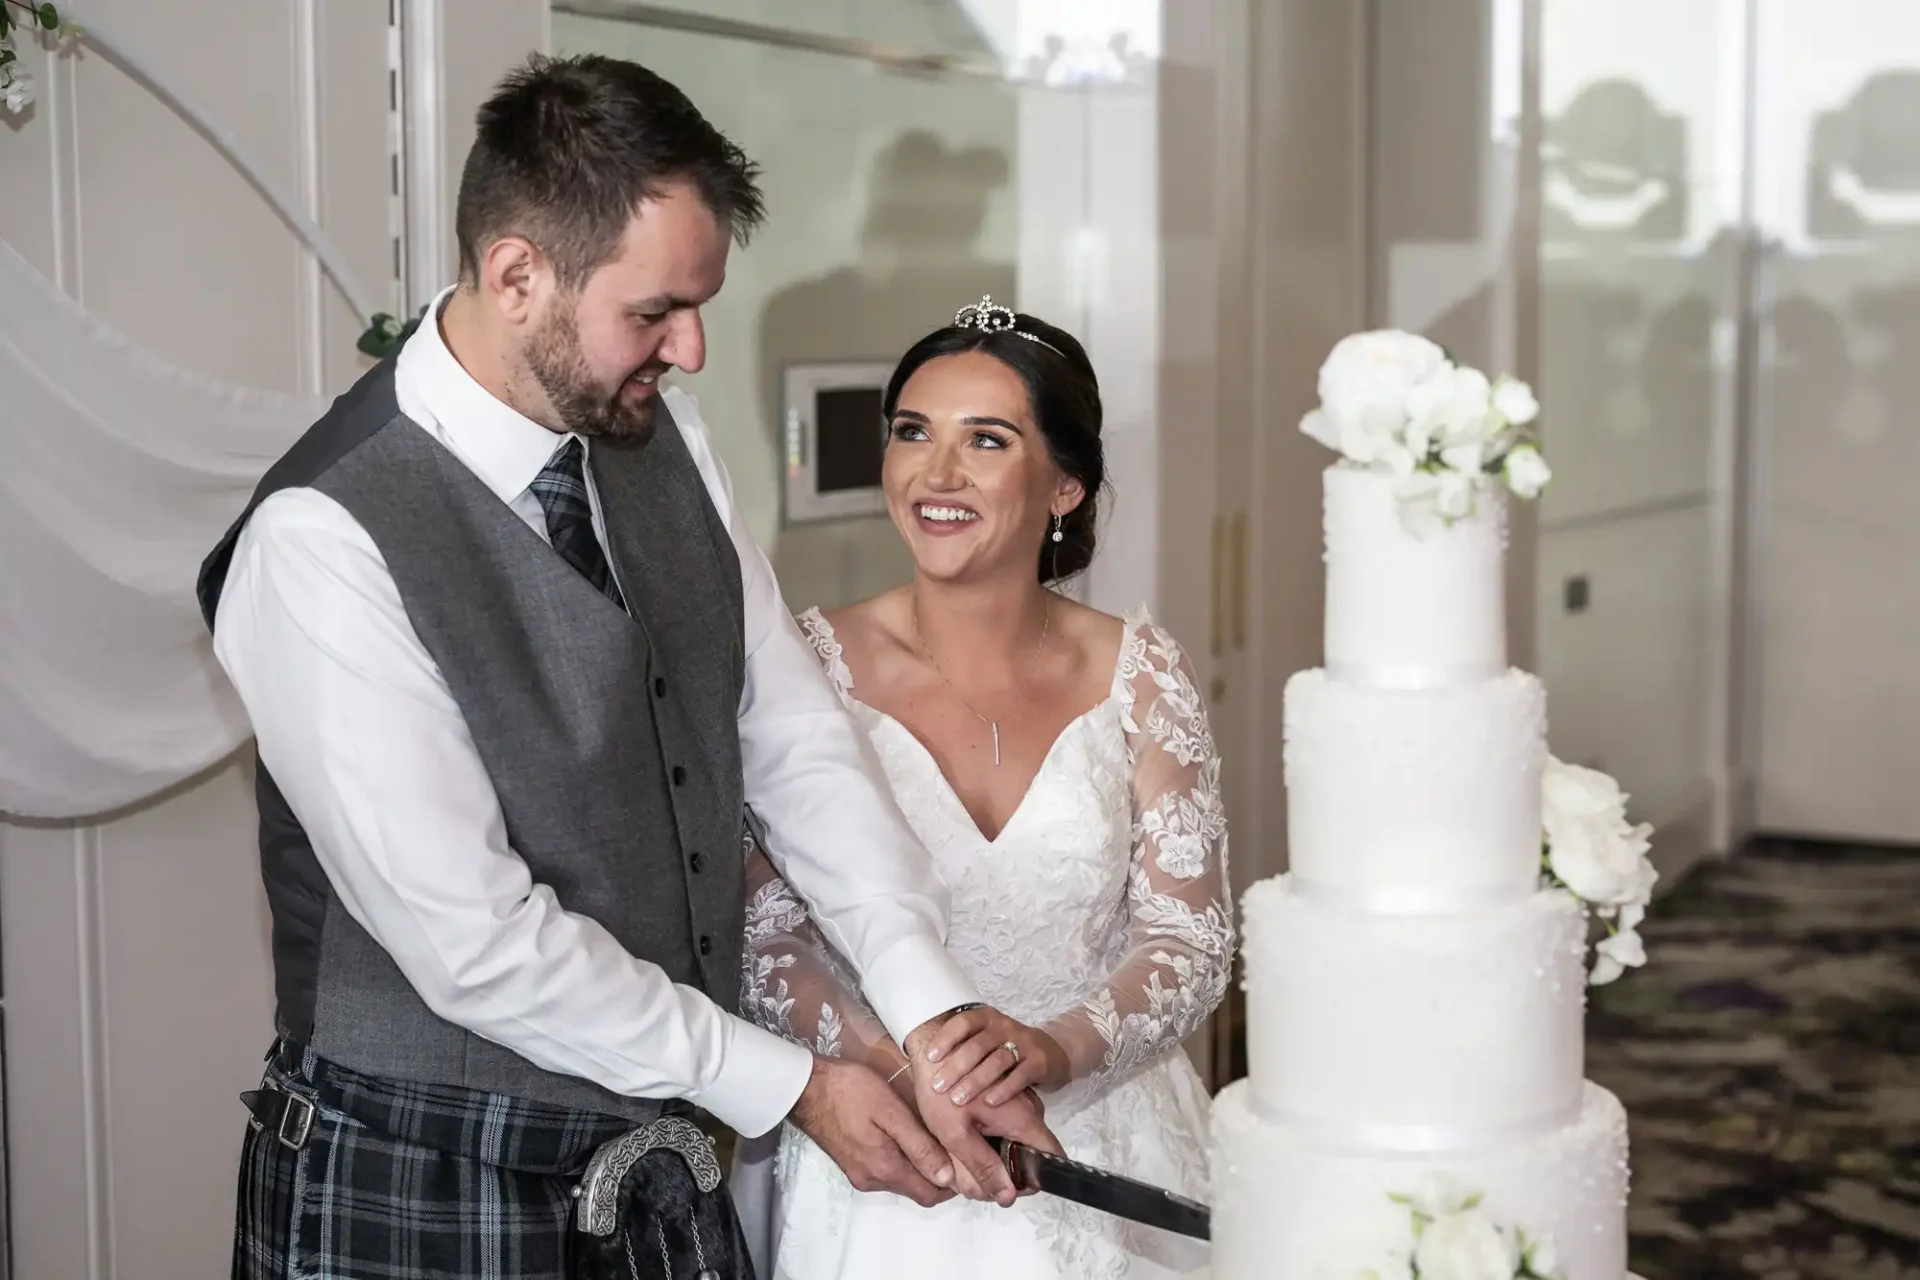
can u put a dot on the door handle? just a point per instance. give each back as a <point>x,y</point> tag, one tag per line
<point>1238,544</point>
<point>1216,610</point>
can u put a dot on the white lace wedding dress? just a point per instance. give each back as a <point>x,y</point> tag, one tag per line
<point>1100,913</point>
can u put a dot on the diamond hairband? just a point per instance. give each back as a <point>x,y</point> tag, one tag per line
<point>989,316</point>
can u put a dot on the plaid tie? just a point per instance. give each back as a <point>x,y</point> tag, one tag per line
<point>561,487</point>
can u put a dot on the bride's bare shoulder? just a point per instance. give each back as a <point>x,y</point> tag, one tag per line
<point>1095,632</point>
<point>875,628</point>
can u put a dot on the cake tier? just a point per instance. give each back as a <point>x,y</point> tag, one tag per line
<point>1415,800</point>
<point>1406,611</point>
<point>1414,1032</point>
<point>1286,1208</point>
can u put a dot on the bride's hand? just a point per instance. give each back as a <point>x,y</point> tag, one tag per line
<point>972,1060</point>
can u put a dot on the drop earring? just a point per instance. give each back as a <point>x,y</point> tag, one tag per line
<point>1057,535</point>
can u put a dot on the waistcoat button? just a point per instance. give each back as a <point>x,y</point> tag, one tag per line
<point>659,686</point>
<point>679,776</point>
<point>698,862</point>
<point>706,943</point>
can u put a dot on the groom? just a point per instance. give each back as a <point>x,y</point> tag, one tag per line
<point>515,668</point>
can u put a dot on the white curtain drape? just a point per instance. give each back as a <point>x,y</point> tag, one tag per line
<point>120,472</point>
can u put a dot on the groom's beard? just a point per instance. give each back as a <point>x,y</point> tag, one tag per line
<point>554,358</point>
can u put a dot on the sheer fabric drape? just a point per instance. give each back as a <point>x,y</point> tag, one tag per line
<point>121,470</point>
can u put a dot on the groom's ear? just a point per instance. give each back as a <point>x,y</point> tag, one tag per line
<point>514,271</point>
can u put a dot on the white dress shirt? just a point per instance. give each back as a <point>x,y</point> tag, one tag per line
<point>357,726</point>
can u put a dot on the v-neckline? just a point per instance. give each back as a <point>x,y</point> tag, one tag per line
<point>830,651</point>
<point>1033,783</point>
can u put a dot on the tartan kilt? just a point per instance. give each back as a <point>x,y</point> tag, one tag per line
<point>432,1182</point>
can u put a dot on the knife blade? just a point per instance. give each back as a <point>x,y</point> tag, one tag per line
<point>1035,1170</point>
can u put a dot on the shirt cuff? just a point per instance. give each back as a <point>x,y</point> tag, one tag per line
<point>759,1081</point>
<point>913,980</point>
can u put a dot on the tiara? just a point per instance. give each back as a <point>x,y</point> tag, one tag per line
<point>989,316</point>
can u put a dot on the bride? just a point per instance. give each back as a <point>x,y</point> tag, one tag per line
<point>1058,763</point>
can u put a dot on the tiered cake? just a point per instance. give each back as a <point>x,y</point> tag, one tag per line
<point>1415,997</point>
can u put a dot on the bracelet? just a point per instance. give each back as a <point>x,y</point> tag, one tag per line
<point>903,1067</point>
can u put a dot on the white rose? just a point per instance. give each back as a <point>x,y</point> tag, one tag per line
<point>1466,1246</point>
<point>1513,400</point>
<point>1578,791</point>
<point>1453,407</point>
<point>1599,861</point>
<point>1364,385</point>
<point>1526,472</point>
<point>1380,364</point>
<point>1590,845</point>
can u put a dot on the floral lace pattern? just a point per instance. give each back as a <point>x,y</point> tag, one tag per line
<point>786,960</point>
<point>1099,912</point>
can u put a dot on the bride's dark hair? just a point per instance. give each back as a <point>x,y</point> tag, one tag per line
<point>1065,398</point>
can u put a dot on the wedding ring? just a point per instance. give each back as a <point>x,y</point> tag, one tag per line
<point>1013,1049</point>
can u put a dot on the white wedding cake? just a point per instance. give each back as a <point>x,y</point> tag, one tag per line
<point>1415,1104</point>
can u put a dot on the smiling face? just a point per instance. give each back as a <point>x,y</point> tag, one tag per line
<point>969,481</point>
<point>593,357</point>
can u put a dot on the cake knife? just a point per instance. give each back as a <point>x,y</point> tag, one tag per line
<point>1035,1170</point>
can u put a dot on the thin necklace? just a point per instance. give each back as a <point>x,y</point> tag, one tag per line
<point>1033,667</point>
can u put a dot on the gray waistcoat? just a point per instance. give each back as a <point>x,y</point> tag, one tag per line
<point>612,741</point>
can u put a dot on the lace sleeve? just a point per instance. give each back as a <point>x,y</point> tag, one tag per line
<point>791,981</point>
<point>1179,953</point>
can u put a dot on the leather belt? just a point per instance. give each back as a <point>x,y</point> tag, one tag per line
<point>275,1108</point>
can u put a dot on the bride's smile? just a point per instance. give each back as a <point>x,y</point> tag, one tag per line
<point>968,476</point>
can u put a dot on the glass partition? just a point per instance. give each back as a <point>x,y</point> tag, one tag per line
<point>1642,132</point>
<point>1836,193</point>
<point>895,197</point>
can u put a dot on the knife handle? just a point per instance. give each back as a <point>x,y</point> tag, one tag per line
<point>1020,1172</point>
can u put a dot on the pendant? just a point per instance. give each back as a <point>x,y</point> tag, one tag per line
<point>708,1273</point>
<point>995,725</point>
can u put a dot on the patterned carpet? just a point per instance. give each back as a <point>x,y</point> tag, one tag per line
<point>1769,1059</point>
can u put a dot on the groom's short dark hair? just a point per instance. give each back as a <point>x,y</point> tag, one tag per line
<point>566,150</point>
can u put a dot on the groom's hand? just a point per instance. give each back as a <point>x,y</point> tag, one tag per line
<point>1019,1118</point>
<point>963,1130</point>
<point>872,1134</point>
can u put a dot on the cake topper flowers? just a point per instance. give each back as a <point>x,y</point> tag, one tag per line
<point>1395,402</point>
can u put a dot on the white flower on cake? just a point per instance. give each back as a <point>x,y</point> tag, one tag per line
<point>1394,402</point>
<point>1525,472</point>
<point>1455,1239</point>
<point>1590,850</point>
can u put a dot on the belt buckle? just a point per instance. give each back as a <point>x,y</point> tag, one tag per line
<point>599,1189</point>
<point>298,1114</point>
<point>305,1124</point>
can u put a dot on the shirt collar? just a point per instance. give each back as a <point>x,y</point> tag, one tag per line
<point>501,445</point>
